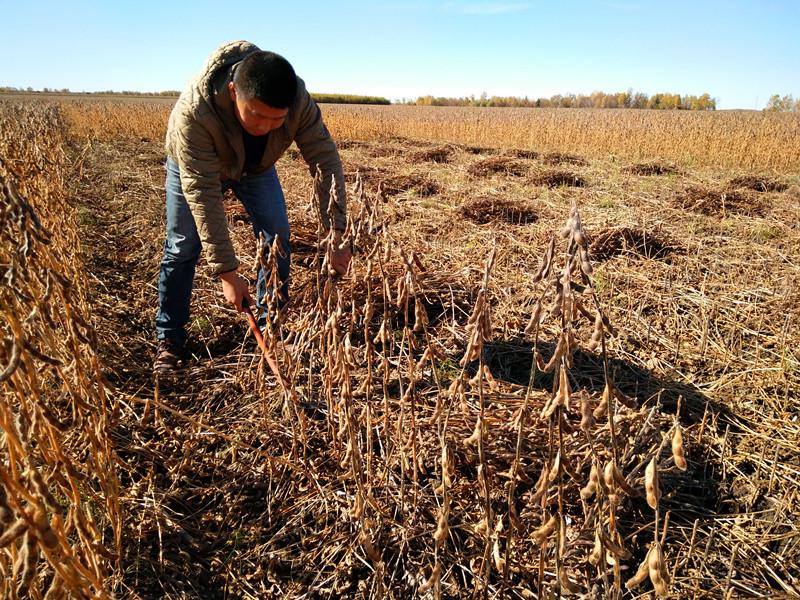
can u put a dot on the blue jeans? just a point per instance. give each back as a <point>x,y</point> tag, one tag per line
<point>262,198</point>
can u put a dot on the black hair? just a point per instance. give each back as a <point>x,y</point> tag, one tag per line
<point>267,77</point>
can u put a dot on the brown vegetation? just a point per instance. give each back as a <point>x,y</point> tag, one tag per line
<point>730,139</point>
<point>59,492</point>
<point>500,164</point>
<point>526,154</point>
<point>491,209</point>
<point>613,241</point>
<point>482,150</point>
<point>758,184</point>
<point>719,202</point>
<point>471,411</point>
<point>559,158</point>
<point>650,168</point>
<point>440,154</point>
<point>553,179</point>
<point>397,184</point>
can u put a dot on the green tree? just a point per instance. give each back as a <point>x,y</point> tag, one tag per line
<point>778,103</point>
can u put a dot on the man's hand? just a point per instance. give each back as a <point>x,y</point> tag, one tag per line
<point>340,256</point>
<point>235,287</point>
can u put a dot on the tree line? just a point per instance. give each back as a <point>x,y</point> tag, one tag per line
<point>330,98</point>
<point>628,99</point>
<point>7,89</point>
<point>787,103</point>
<point>348,99</point>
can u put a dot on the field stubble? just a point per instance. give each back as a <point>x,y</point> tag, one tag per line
<point>418,451</point>
<point>738,140</point>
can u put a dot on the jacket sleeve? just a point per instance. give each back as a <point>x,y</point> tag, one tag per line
<point>318,149</point>
<point>200,180</point>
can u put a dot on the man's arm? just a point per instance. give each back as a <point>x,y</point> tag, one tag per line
<point>200,179</point>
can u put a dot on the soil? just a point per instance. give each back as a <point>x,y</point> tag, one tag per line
<point>229,490</point>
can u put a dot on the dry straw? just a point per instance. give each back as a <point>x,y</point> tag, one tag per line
<point>354,480</point>
<point>59,512</point>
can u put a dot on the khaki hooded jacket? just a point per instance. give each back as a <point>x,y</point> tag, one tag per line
<point>204,137</point>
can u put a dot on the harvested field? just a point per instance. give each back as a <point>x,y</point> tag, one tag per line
<point>526,154</point>
<point>720,202</point>
<point>440,154</point>
<point>478,150</point>
<point>394,185</point>
<point>752,140</point>
<point>559,158</point>
<point>376,177</point>
<point>554,179</point>
<point>348,144</point>
<point>368,173</point>
<point>612,241</point>
<point>472,411</point>
<point>650,168</point>
<point>489,210</point>
<point>501,164</point>
<point>758,184</point>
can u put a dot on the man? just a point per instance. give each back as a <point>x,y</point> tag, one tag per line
<point>227,130</point>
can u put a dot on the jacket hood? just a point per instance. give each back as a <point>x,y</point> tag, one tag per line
<point>225,56</point>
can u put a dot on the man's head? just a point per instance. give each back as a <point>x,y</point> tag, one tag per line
<point>264,86</point>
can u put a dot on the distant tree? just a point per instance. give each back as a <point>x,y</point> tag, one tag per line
<point>704,102</point>
<point>775,103</point>
<point>610,101</point>
<point>778,103</point>
<point>639,100</point>
<point>670,101</point>
<point>597,99</point>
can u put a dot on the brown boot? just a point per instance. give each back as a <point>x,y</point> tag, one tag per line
<point>170,356</point>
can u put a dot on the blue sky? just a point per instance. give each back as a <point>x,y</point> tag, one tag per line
<point>740,52</point>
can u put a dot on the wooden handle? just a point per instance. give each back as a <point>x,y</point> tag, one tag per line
<point>273,364</point>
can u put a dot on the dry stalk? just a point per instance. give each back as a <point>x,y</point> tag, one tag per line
<point>58,465</point>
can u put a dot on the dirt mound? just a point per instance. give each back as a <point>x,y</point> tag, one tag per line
<point>650,168</point>
<point>758,184</point>
<point>348,144</point>
<point>525,154</point>
<point>613,241</point>
<point>492,210</point>
<point>381,150</point>
<point>478,150</point>
<point>559,158</point>
<point>440,154</point>
<point>407,141</point>
<point>719,202</point>
<point>500,164</point>
<point>392,186</point>
<point>369,175</point>
<point>554,179</point>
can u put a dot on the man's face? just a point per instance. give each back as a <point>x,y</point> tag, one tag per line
<point>256,117</point>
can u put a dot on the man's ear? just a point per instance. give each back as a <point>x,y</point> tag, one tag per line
<point>232,90</point>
